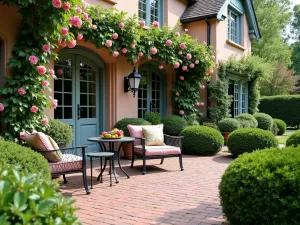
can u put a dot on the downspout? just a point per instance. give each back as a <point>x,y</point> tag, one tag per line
<point>208,43</point>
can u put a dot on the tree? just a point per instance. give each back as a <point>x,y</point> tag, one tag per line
<point>295,25</point>
<point>296,58</point>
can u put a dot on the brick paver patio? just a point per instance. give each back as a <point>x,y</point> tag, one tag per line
<point>165,195</point>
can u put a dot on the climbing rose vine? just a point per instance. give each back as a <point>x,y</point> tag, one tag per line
<point>48,25</point>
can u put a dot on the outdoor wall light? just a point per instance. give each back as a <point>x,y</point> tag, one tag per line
<point>132,82</point>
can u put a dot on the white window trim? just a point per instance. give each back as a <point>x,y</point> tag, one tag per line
<point>160,12</point>
<point>239,25</point>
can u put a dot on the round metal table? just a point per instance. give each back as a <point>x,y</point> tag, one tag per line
<point>111,142</point>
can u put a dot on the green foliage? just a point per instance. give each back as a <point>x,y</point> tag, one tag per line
<point>281,125</point>
<point>27,198</point>
<point>296,24</point>
<point>247,120</point>
<point>262,188</point>
<point>284,107</point>
<point>152,117</point>
<point>122,124</point>
<point>295,58</point>
<point>294,139</point>
<point>60,132</point>
<point>229,125</point>
<point>275,128</point>
<point>264,120</point>
<point>173,125</point>
<point>192,120</point>
<point>208,123</point>
<point>27,159</point>
<point>250,139</point>
<point>201,140</point>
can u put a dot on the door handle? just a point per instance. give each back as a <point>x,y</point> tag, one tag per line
<point>79,109</point>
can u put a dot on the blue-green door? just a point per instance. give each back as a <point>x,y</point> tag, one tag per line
<point>77,89</point>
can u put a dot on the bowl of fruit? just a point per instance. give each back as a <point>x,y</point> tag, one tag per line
<point>114,134</point>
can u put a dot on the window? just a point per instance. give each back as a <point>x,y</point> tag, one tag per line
<point>238,89</point>
<point>150,11</point>
<point>234,27</point>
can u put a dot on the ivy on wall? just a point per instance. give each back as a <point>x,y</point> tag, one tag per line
<point>47,25</point>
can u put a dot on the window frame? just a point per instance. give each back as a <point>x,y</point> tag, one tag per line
<point>148,12</point>
<point>238,15</point>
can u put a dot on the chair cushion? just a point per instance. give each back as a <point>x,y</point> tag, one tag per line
<point>157,150</point>
<point>137,131</point>
<point>154,135</point>
<point>68,163</point>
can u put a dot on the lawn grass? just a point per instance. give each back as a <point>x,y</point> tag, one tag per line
<point>282,139</point>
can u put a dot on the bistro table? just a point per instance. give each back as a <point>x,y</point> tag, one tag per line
<point>111,142</point>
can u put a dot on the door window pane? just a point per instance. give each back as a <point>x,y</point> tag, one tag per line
<point>236,99</point>
<point>243,98</point>
<point>142,94</point>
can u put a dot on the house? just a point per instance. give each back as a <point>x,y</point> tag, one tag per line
<point>90,90</point>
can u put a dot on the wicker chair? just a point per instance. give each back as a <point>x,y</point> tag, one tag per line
<point>72,161</point>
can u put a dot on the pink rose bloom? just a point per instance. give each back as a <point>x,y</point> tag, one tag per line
<point>85,16</point>
<point>197,62</point>
<point>34,109</point>
<point>182,46</point>
<point>192,65</point>
<point>45,83</point>
<point>176,65</point>
<point>115,54</point>
<point>124,50</point>
<point>60,72</point>
<point>188,56</point>
<point>45,121</point>
<point>94,27</point>
<point>79,37</point>
<point>121,25</point>
<point>177,34</point>
<point>66,6</point>
<point>168,43</point>
<point>54,103</point>
<point>115,36</point>
<point>153,51</point>
<point>1,107</point>
<point>72,43</point>
<point>132,46</point>
<point>78,10</point>
<point>181,77</point>
<point>33,59</point>
<point>213,57</point>
<point>209,71</point>
<point>180,53</point>
<point>90,20</point>
<point>197,104</point>
<point>56,3</point>
<point>63,44</point>
<point>202,87</point>
<point>149,57</point>
<point>201,104</point>
<point>156,24</point>
<point>142,23</point>
<point>46,48</point>
<point>161,67</point>
<point>64,31</point>
<point>22,136</point>
<point>76,21</point>
<point>41,70</point>
<point>51,72</point>
<point>184,68</point>
<point>108,43</point>
<point>140,54</point>
<point>21,91</point>
<point>177,94</point>
<point>186,30</point>
<point>181,112</point>
<point>134,60</point>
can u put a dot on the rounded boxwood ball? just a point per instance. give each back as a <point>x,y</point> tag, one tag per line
<point>294,139</point>
<point>265,121</point>
<point>250,139</point>
<point>262,188</point>
<point>247,120</point>
<point>281,126</point>
<point>228,125</point>
<point>201,140</point>
<point>173,125</point>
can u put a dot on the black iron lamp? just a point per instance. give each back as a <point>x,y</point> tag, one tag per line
<point>132,82</point>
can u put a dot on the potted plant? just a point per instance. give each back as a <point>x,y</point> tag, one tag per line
<point>122,125</point>
<point>227,125</point>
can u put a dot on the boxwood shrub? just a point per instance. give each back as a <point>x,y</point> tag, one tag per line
<point>229,125</point>
<point>60,132</point>
<point>201,140</point>
<point>28,199</point>
<point>284,107</point>
<point>247,120</point>
<point>294,139</point>
<point>27,159</point>
<point>250,139</point>
<point>281,125</point>
<point>262,188</point>
<point>122,124</point>
<point>173,125</point>
<point>152,117</point>
<point>274,128</point>
<point>265,121</point>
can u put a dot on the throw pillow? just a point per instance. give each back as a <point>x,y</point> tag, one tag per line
<point>154,135</point>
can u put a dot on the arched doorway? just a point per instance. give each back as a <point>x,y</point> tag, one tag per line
<point>79,89</point>
<point>152,94</point>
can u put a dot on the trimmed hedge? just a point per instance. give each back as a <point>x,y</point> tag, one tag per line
<point>152,117</point>
<point>284,107</point>
<point>250,139</point>
<point>201,140</point>
<point>247,120</point>
<point>294,139</point>
<point>122,124</point>
<point>265,121</point>
<point>275,128</point>
<point>262,188</point>
<point>228,125</point>
<point>281,125</point>
<point>27,159</point>
<point>60,132</point>
<point>173,125</point>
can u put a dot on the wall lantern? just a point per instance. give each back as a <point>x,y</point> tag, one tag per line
<point>132,82</point>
